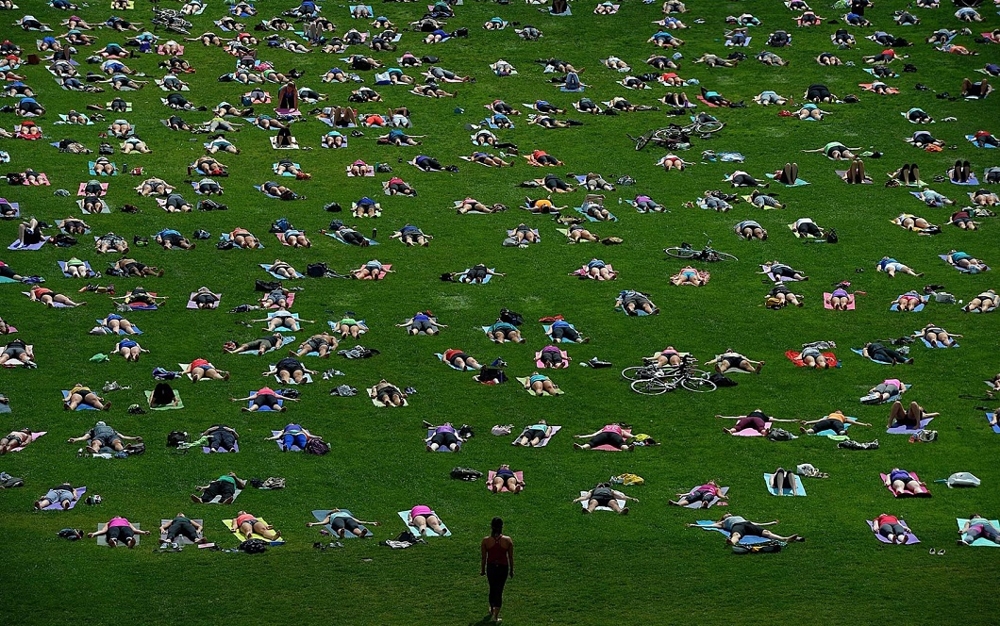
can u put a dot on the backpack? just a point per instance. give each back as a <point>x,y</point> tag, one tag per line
<point>316,270</point>
<point>9,482</point>
<point>15,178</point>
<point>317,447</point>
<point>280,225</point>
<point>464,473</point>
<point>135,449</point>
<point>176,438</point>
<point>162,394</point>
<point>506,315</point>
<point>721,380</point>
<point>73,534</point>
<point>831,237</point>
<point>491,376</point>
<point>962,479</point>
<point>765,547</point>
<point>225,245</point>
<point>780,434</point>
<point>63,240</point>
<point>161,374</point>
<point>266,285</point>
<point>253,546</point>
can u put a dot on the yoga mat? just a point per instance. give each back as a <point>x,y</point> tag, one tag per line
<point>440,357</point>
<point>907,494</point>
<point>750,432</point>
<point>192,305</point>
<point>861,352</point>
<point>972,180</point>
<point>916,309</point>
<point>81,191</point>
<point>698,505</point>
<point>933,347</point>
<point>320,515</point>
<point>541,365</point>
<point>267,268</point>
<point>590,218</point>
<point>102,540</point>
<point>910,537</point>
<point>65,272</point>
<point>236,449</point>
<point>800,489</point>
<point>336,235</point>
<point>35,246</point>
<point>180,539</point>
<point>904,430</point>
<point>944,257</point>
<point>544,442</point>
<point>583,503</point>
<point>218,499</point>
<point>285,340</point>
<point>972,138</point>
<point>745,541</point>
<point>264,409</point>
<point>828,305</point>
<point>524,383</point>
<point>229,526</point>
<point>989,416</point>
<point>55,506</point>
<point>81,406</point>
<point>798,181</point>
<point>177,394</point>
<point>5,408</point>
<point>519,476</point>
<point>980,543</point>
<point>430,433</point>
<point>405,516</point>
<point>463,273</point>
<point>843,175</point>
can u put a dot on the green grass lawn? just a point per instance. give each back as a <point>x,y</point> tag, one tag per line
<point>571,569</point>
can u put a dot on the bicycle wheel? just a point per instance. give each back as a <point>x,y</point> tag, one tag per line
<point>699,385</point>
<point>680,253</point>
<point>710,127</point>
<point>649,387</point>
<point>641,142</point>
<point>725,256</point>
<point>640,372</point>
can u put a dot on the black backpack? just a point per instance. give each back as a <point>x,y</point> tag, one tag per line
<point>506,315</point>
<point>317,447</point>
<point>722,380</point>
<point>175,438</point>
<point>492,375</point>
<point>317,270</point>
<point>163,394</point>
<point>253,546</point>
<point>765,547</point>
<point>464,473</point>
<point>266,285</point>
<point>831,237</point>
<point>135,449</point>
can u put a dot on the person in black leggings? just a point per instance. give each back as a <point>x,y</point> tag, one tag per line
<point>343,523</point>
<point>496,564</point>
<point>878,352</point>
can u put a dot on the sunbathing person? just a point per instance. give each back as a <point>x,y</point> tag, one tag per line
<point>901,481</point>
<point>221,437</point>
<point>879,352</point>
<point>707,494</point>
<point>688,275</point>
<point>445,435</point>
<point>978,527</point>
<point>422,322</point>
<point>128,348</point>
<point>282,269</point>
<point>290,371</point>
<point>615,435</point>
<point>202,368</point>
<point>342,523</point>
<point>734,360</point>
<point>984,302</point>
<point>739,527</point>
<point>411,236</point>
<point>64,495</point>
<point>119,528</point>
<point>966,261</point>
<point>50,298</point>
<point>632,302</point>
<point>890,527</point>
<point>501,332</point>
<point>836,421</point>
<point>323,344</point>
<point>604,495</point>
<point>936,336</point>
<point>350,327</point>
<point>460,360</point>
<point>282,319</point>
<point>890,266</point>
<point>813,357</point>
<point>532,436</point>
<point>750,229</point>
<point>985,198</point>
<point>755,420</point>
<point>223,487</point>
<point>372,270</point>
<point>18,350</point>
<point>180,526</point>
<point>260,346</point>
<point>541,384</point>
<point>15,440</point>
<point>248,525</point>
<point>103,436</point>
<point>139,295</point>
<point>388,394</point>
<point>263,397</point>
<point>909,417</point>
<point>505,478</point>
<point>422,517</point>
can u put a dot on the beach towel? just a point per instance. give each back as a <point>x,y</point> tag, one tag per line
<point>989,418</point>
<point>795,356</point>
<point>705,524</point>
<point>102,540</point>
<point>980,543</point>
<point>33,437</point>
<point>294,145</point>
<point>336,235</point>
<point>267,268</point>
<point>320,515</point>
<point>543,442</point>
<point>583,503</point>
<point>843,175</point>
<point>180,540</point>
<point>18,246</point>
<point>386,267</point>
<point>524,383</point>
<point>716,500</point>
<point>798,181</point>
<point>916,309</point>
<point>827,304</point>
<point>750,432</point>
<point>120,330</point>
<point>379,403</point>
<point>81,406</point>
<point>229,526</point>
<point>908,430</point>
<point>236,449</point>
<point>944,257</point>
<point>564,364</point>
<point>910,537</point>
<point>519,476</point>
<point>973,181</point>
<point>440,357</point>
<point>191,304</point>
<point>177,395</point>
<point>65,270</point>
<point>906,494</point>
<point>405,516</point>
<point>972,138</point>
<point>800,490</point>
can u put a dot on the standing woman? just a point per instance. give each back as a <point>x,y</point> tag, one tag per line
<point>497,564</point>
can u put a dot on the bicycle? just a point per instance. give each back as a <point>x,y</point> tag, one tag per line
<point>670,136</point>
<point>652,380</point>
<point>708,253</point>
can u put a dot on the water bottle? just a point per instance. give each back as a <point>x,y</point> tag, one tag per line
<point>374,234</point>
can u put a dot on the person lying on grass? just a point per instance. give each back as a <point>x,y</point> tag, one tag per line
<point>734,360</point>
<point>119,528</point>
<point>223,487</point>
<point>502,332</point>
<point>263,397</point>
<point>738,527</point>
<point>445,435</point>
<point>750,229</point>
<point>754,420</point>
<point>180,525</point>
<point>706,494</point>
<point>937,336</point>
<point>289,370</point>
<point>293,435</point>
<point>840,299</point>
<point>221,437</point>
<point>64,495</point>
<point>890,527</point>
<point>14,440</point>
<point>604,495</point>
<point>909,418</point>
<point>836,421</point>
<point>103,436</point>
<point>978,527</point>
<point>632,302</point>
<point>878,351</point>
<point>541,384</point>
<point>412,236</point>
<point>505,478</point>
<point>388,394</point>
<point>342,523</point>
<point>129,349</point>
<point>891,266</point>
<point>248,525</point>
<point>615,435</point>
<point>882,392</point>
<point>688,275</point>
<point>459,359</point>
<point>324,344</point>
<point>915,223</point>
<point>81,394</point>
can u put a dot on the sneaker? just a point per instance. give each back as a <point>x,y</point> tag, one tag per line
<point>174,546</point>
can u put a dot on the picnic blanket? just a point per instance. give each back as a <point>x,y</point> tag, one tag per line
<point>544,442</point>
<point>229,526</point>
<point>906,494</point>
<point>177,395</point>
<point>405,516</point>
<point>910,537</point>
<point>795,356</point>
<point>980,543</point>
<point>800,489</point>
<point>524,383</point>
<point>56,506</point>
<point>320,515</point>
